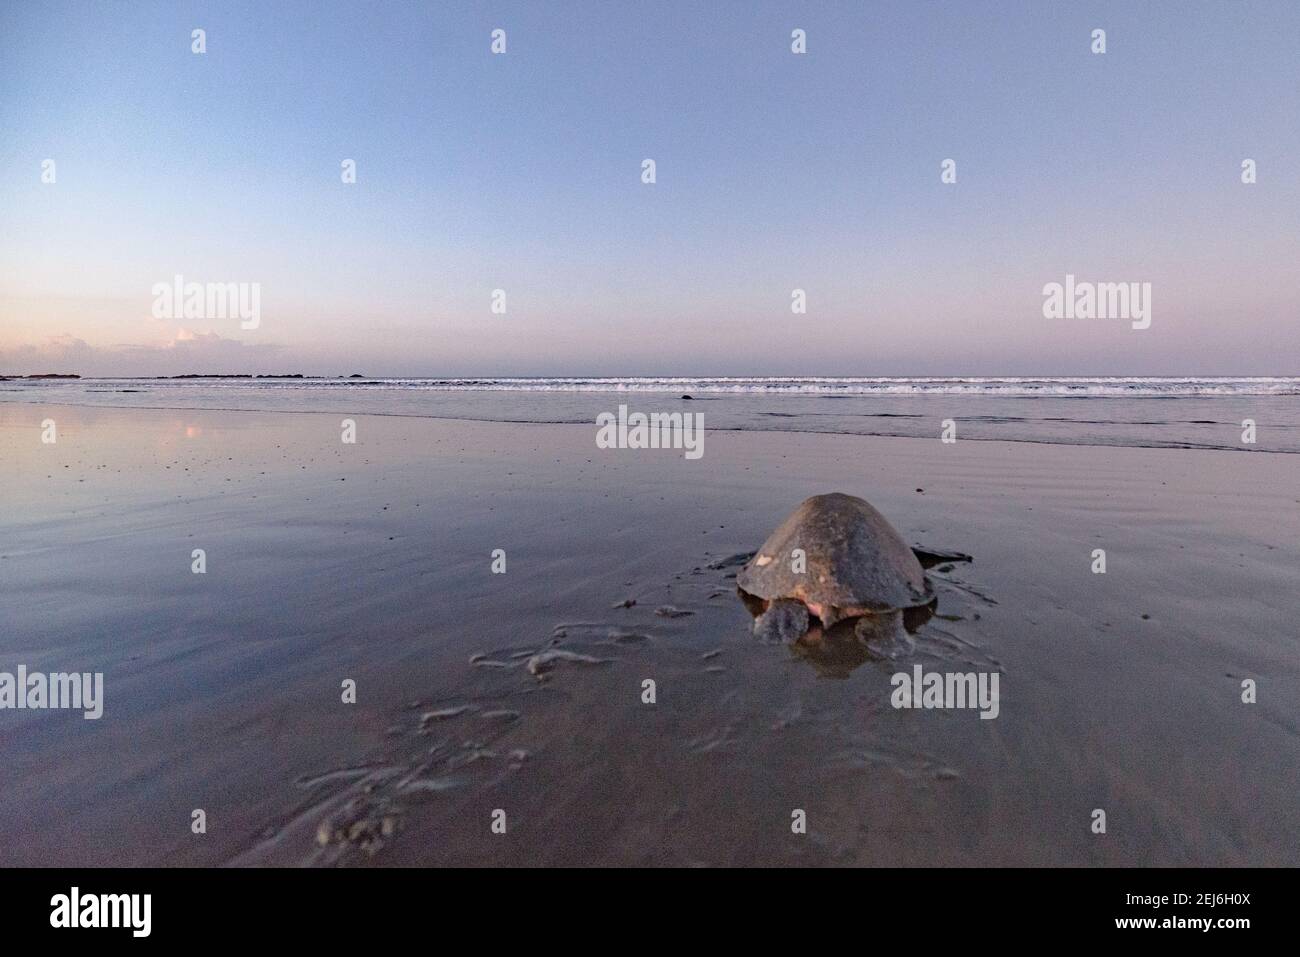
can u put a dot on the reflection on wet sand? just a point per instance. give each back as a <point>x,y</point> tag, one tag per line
<point>848,645</point>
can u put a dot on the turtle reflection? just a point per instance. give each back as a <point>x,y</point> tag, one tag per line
<point>836,651</point>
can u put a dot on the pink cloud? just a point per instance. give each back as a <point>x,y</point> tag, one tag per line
<point>187,351</point>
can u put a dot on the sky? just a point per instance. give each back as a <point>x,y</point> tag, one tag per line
<point>774,171</point>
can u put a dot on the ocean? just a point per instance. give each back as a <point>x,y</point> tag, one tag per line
<point>1208,412</point>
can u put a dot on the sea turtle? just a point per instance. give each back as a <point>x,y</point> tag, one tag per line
<point>836,558</point>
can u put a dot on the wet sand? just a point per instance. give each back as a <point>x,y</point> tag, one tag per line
<point>372,562</point>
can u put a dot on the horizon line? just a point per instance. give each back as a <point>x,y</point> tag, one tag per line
<point>660,375</point>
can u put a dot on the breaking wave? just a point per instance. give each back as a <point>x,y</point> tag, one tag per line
<point>1009,386</point>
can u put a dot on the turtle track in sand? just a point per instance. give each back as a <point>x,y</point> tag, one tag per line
<point>442,748</point>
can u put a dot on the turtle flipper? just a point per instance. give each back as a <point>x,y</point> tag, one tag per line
<point>880,628</point>
<point>929,557</point>
<point>785,620</point>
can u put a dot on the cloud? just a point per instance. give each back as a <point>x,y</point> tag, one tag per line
<point>186,351</point>
<point>57,354</point>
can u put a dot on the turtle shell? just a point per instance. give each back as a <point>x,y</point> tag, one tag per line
<point>856,563</point>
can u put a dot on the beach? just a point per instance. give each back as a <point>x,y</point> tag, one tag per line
<point>523,692</point>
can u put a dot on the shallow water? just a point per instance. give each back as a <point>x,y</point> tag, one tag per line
<point>1132,411</point>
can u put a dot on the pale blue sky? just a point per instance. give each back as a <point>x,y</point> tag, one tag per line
<point>775,171</point>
